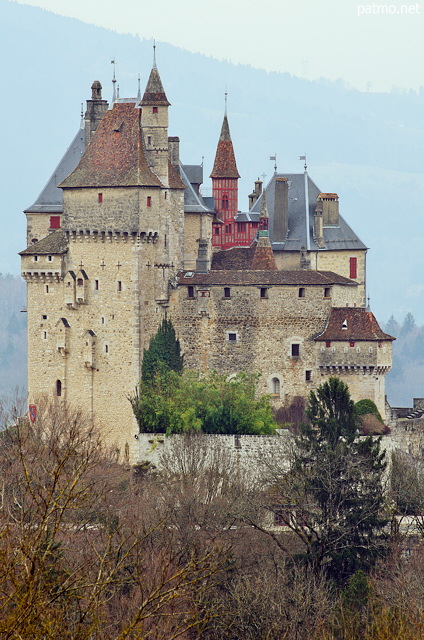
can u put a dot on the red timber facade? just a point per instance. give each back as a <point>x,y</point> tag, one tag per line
<point>227,231</point>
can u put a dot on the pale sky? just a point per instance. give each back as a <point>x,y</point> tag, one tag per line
<point>373,46</point>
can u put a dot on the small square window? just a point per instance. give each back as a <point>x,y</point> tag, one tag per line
<point>264,292</point>
<point>154,110</point>
<point>54,222</point>
<point>301,292</point>
<point>328,344</point>
<point>295,350</point>
<point>232,337</point>
<point>35,258</point>
<point>227,292</point>
<point>44,317</point>
<point>351,343</point>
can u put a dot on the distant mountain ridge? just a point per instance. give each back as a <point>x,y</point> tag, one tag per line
<point>367,147</point>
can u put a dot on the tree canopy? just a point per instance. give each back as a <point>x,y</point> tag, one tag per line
<point>173,403</point>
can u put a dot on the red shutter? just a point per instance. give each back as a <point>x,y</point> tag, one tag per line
<point>54,222</point>
<point>353,268</point>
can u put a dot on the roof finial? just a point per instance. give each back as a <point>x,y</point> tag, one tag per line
<point>139,90</point>
<point>113,81</point>
<point>117,93</point>
<point>274,157</point>
<point>154,54</point>
<point>82,115</point>
<point>368,305</point>
<point>226,97</point>
<point>305,165</point>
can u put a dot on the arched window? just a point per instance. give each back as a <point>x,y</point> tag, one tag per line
<point>58,388</point>
<point>275,387</point>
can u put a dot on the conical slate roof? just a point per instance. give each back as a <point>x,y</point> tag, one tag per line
<point>225,162</point>
<point>154,94</point>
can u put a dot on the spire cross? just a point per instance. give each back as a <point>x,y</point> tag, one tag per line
<point>113,80</point>
<point>81,264</point>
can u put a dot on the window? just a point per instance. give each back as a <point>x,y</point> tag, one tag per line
<point>102,320</point>
<point>227,228</point>
<point>327,292</point>
<point>154,110</point>
<point>205,294</point>
<point>47,288</point>
<point>80,282</point>
<point>224,202</point>
<point>106,348</point>
<point>35,258</point>
<point>328,343</point>
<point>44,335</point>
<point>295,350</point>
<point>353,271</point>
<point>149,139</point>
<point>308,376</point>
<point>96,285</point>
<point>216,231</point>
<point>352,343</point>
<point>232,337</point>
<point>227,292</point>
<point>100,197</point>
<point>190,291</point>
<point>44,317</point>
<point>58,388</point>
<point>301,292</point>
<point>241,227</point>
<point>264,292</point>
<point>119,285</point>
<point>149,201</point>
<point>54,222</point>
<point>50,258</point>
<point>275,387</point>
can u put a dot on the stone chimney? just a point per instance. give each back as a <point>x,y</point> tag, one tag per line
<point>318,226</point>
<point>96,108</point>
<point>255,193</point>
<point>203,262</point>
<point>329,203</point>
<point>174,151</point>
<point>281,210</point>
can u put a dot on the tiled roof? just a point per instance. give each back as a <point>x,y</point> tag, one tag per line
<point>54,243</point>
<point>340,237</point>
<point>264,257</point>
<point>359,323</point>
<point>250,277</point>
<point>174,179</point>
<point>236,258</point>
<point>225,162</point>
<point>115,156</point>
<point>50,199</point>
<point>154,94</point>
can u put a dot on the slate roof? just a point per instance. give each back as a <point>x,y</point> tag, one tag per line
<point>115,156</point>
<point>50,199</point>
<point>360,324</point>
<point>54,243</point>
<point>341,237</point>
<point>247,277</point>
<point>225,165</point>
<point>154,93</point>
<point>193,201</point>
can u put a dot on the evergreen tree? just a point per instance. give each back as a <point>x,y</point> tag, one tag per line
<point>408,325</point>
<point>334,488</point>
<point>392,326</point>
<point>164,352</point>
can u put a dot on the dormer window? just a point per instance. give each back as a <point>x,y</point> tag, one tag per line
<point>344,325</point>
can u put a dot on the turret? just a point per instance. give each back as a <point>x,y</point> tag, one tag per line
<point>96,108</point>
<point>154,124</point>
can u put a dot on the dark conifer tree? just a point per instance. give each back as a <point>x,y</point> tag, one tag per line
<point>164,351</point>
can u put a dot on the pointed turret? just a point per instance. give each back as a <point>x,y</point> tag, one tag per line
<point>225,161</point>
<point>154,124</point>
<point>264,256</point>
<point>96,108</point>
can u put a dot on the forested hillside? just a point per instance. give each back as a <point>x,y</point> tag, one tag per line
<point>13,339</point>
<point>406,379</point>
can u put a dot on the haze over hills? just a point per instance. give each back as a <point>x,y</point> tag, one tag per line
<point>365,146</point>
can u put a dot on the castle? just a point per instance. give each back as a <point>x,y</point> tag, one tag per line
<point>121,235</point>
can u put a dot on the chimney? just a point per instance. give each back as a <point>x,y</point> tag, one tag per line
<point>318,226</point>
<point>174,151</point>
<point>281,211</point>
<point>256,193</point>
<point>329,203</point>
<point>203,262</point>
<point>96,108</point>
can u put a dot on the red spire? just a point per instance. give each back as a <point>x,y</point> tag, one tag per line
<point>225,162</point>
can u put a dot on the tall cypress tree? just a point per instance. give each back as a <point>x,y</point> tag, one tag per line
<point>164,351</point>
